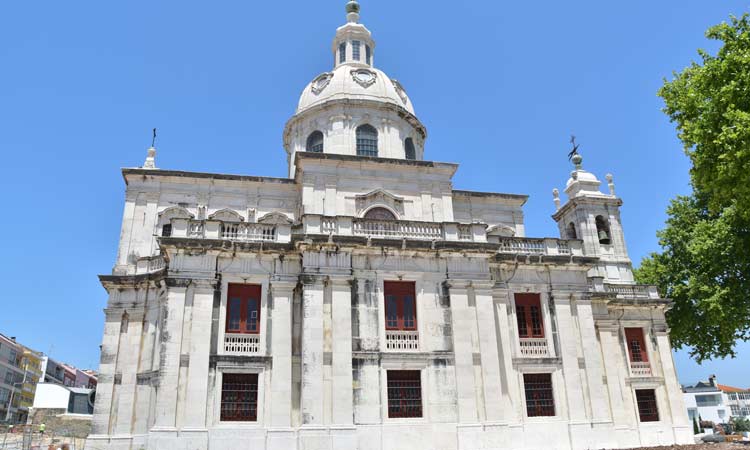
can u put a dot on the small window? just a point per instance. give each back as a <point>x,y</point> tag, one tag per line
<point>602,230</point>
<point>243,309</point>
<point>379,214</point>
<point>647,410</point>
<point>239,397</point>
<point>355,50</point>
<point>367,140</point>
<point>404,393</point>
<point>400,306</point>
<point>539,396</point>
<point>529,316</point>
<point>166,230</point>
<point>636,345</point>
<point>315,142</point>
<point>409,150</point>
<point>342,52</point>
<point>572,234</point>
<point>368,55</point>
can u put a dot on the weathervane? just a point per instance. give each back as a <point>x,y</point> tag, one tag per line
<point>153,139</point>
<point>575,147</point>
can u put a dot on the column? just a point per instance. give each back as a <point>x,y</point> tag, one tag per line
<point>463,321</point>
<point>199,350</point>
<point>493,392</point>
<point>129,353</point>
<point>341,313</point>
<point>511,401</point>
<point>594,367</point>
<point>569,354</point>
<point>100,424</point>
<point>311,401</point>
<point>281,353</point>
<point>169,368</point>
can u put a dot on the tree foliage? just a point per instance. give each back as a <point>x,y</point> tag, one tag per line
<point>704,265</point>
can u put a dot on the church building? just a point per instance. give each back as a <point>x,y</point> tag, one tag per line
<point>366,303</point>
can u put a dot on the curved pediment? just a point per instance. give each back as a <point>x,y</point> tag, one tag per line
<point>501,230</point>
<point>275,218</point>
<point>175,212</point>
<point>379,197</point>
<point>227,215</point>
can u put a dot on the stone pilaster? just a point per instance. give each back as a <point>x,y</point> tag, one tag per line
<point>511,402</point>
<point>569,354</point>
<point>493,392</point>
<point>463,322</point>
<point>199,350</point>
<point>281,352</point>
<point>170,347</point>
<point>341,314</point>
<point>101,421</point>
<point>129,352</point>
<point>615,372</point>
<point>311,401</point>
<point>593,360</point>
<point>671,384</point>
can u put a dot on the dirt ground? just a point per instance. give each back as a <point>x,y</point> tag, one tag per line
<point>718,446</point>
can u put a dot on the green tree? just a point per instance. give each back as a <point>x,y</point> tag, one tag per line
<point>696,430</point>
<point>704,265</point>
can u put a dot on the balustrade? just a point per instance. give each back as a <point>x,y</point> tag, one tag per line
<point>534,347</point>
<point>398,229</point>
<point>241,344</point>
<point>247,232</point>
<point>401,340</point>
<point>640,369</point>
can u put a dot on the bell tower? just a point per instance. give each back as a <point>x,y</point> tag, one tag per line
<point>594,218</point>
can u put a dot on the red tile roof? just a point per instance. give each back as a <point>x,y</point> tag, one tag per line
<point>726,388</point>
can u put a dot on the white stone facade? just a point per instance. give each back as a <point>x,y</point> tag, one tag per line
<point>324,365</point>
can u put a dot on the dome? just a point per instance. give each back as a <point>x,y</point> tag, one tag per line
<point>354,82</point>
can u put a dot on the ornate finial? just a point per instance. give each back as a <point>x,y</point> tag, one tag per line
<point>352,11</point>
<point>611,184</point>
<point>574,156</point>
<point>150,162</point>
<point>556,198</point>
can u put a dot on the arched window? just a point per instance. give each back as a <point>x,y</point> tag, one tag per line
<point>367,140</point>
<point>409,150</point>
<point>368,55</point>
<point>571,234</point>
<point>602,230</point>
<point>342,52</point>
<point>379,213</point>
<point>315,142</point>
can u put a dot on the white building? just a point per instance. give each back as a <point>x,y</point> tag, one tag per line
<point>365,303</point>
<point>705,401</point>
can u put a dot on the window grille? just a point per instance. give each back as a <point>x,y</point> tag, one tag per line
<point>647,410</point>
<point>404,393</point>
<point>315,142</point>
<point>166,230</point>
<point>409,150</point>
<point>367,141</point>
<point>355,50</point>
<point>539,396</point>
<point>342,52</point>
<point>239,397</point>
<point>368,55</point>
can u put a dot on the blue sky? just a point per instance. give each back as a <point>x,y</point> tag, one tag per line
<point>499,85</point>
